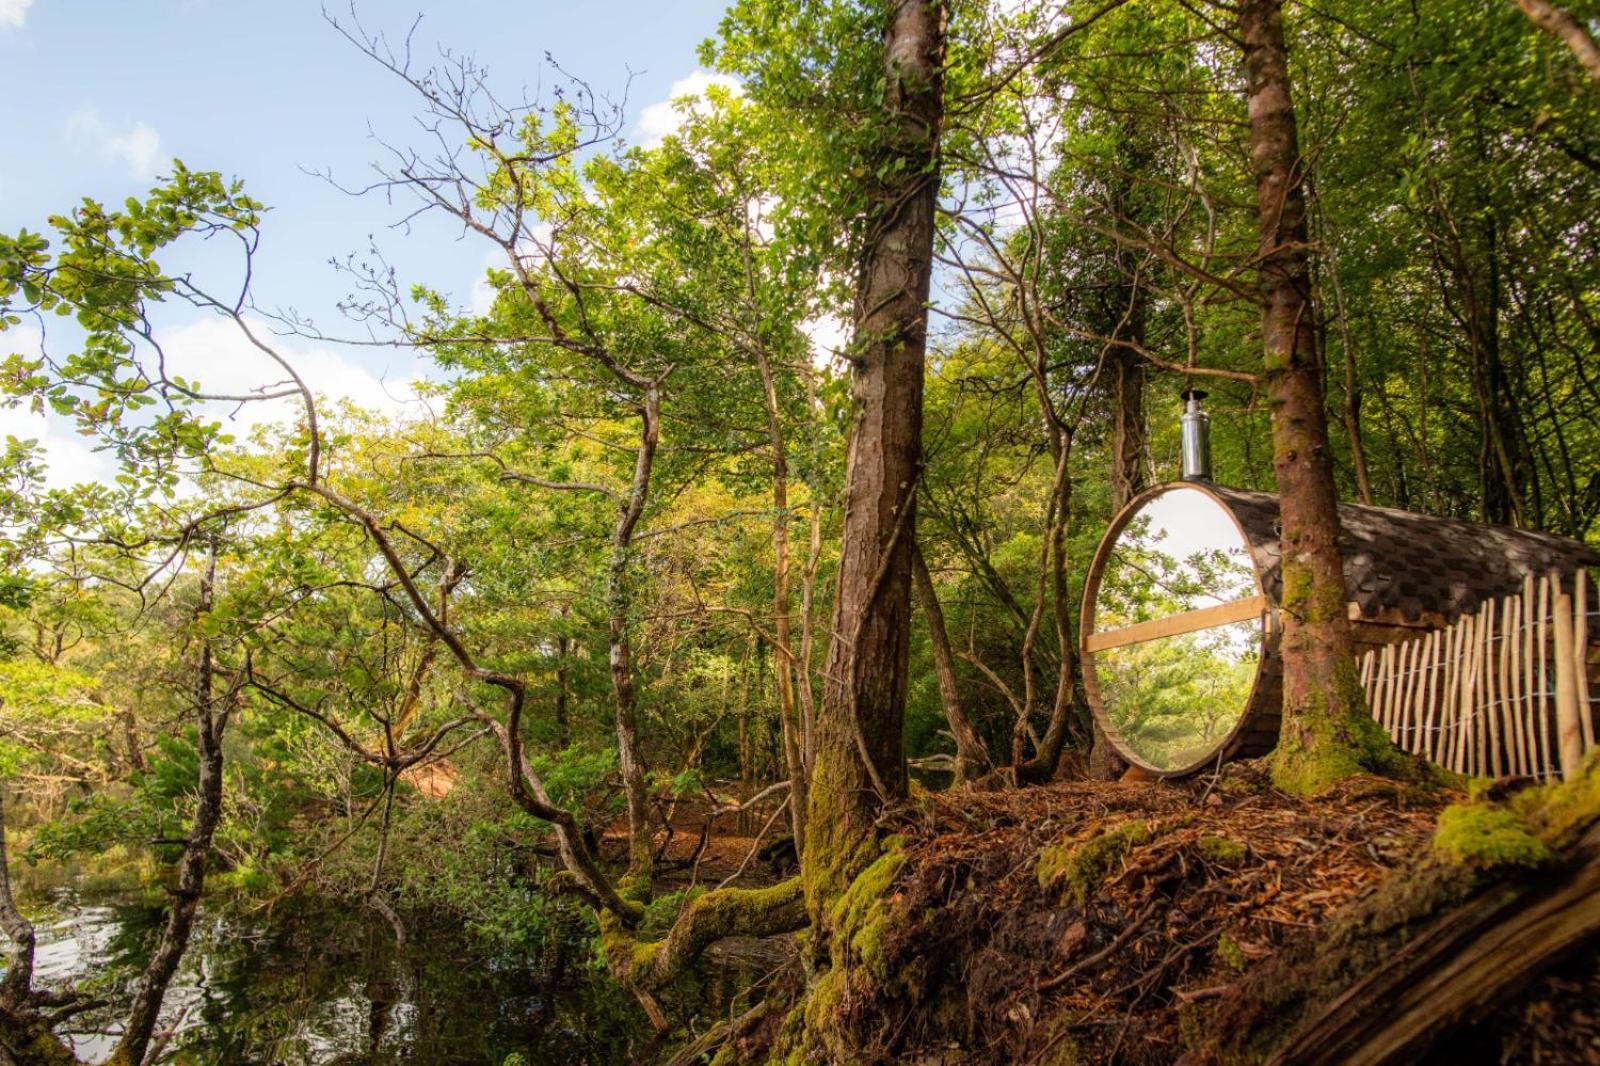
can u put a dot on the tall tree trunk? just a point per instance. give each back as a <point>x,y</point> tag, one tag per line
<point>785,667</point>
<point>972,754</point>
<point>630,761</point>
<point>210,723</point>
<point>1327,733</point>
<point>1127,418</point>
<point>860,760</point>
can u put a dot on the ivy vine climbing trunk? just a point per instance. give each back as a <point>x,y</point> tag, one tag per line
<point>1327,733</point>
<point>860,758</point>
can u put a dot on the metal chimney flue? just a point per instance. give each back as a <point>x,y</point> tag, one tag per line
<point>1196,437</point>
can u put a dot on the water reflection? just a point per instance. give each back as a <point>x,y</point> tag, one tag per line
<point>322,984</point>
<point>1175,686</point>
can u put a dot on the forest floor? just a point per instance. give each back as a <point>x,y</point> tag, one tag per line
<point>1109,922</point>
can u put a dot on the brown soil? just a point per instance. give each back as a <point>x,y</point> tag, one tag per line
<point>1002,969</point>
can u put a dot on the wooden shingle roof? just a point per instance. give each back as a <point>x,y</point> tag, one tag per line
<point>1417,564</point>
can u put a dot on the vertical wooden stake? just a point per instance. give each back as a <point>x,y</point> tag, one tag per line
<point>1530,710</point>
<point>1490,694</point>
<point>1569,731</point>
<point>1478,739</point>
<point>1429,748</point>
<point>1580,647</point>
<point>1547,753</point>
<point>1451,712</point>
<point>1510,683</point>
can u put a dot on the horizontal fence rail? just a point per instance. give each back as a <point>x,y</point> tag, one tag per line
<point>1507,690</point>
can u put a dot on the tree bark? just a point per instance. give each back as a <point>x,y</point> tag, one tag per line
<point>860,759</point>
<point>1127,416</point>
<point>630,761</point>
<point>210,723</point>
<point>1326,732</point>
<point>972,754</point>
<point>1560,24</point>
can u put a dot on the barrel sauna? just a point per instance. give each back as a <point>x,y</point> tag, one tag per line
<point>1179,619</point>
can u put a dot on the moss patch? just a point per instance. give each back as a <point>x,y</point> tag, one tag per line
<point>1486,836</point>
<point>1333,738</point>
<point>1230,954</point>
<point>1221,850</point>
<point>1081,867</point>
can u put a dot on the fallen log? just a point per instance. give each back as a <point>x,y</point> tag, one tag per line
<point>1473,959</point>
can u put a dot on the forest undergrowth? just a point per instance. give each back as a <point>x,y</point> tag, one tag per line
<point>1140,922</point>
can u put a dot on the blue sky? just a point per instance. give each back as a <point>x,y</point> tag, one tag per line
<point>102,94</point>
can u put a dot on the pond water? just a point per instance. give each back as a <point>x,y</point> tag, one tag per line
<point>327,984</point>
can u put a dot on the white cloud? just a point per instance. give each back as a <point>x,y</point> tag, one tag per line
<point>660,120</point>
<point>214,356</point>
<point>139,148</point>
<point>136,145</point>
<point>13,13</point>
<point>217,355</point>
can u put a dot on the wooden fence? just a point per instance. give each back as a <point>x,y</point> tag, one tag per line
<point>1504,691</point>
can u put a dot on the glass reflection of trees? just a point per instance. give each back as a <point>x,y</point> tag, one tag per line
<point>1174,698</point>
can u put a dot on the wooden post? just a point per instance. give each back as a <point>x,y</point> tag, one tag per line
<point>1429,747</point>
<point>1511,683</point>
<point>1569,731</point>
<point>1477,739</point>
<point>1530,710</point>
<point>1580,647</point>
<point>1402,684</point>
<point>1547,753</point>
<point>1490,693</point>
<point>1385,683</point>
<point>1450,714</point>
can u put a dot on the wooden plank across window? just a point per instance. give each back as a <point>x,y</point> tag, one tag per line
<point>1173,624</point>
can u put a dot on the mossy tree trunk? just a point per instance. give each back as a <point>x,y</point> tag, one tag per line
<point>1327,733</point>
<point>860,757</point>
